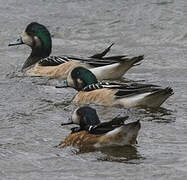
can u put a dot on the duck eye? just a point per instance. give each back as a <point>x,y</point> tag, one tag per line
<point>31,33</point>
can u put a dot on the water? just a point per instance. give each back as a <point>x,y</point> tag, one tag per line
<point>32,109</point>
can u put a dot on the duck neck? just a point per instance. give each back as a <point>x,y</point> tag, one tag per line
<point>36,55</point>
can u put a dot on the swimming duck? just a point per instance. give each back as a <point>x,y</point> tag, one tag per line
<point>39,63</point>
<point>92,133</point>
<point>111,93</point>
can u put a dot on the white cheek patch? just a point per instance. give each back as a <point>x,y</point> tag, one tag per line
<point>79,81</point>
<point>70,81</point>
<point>26,39</point>
<point>75,117</point>
<point>79,84</point>
<point>37,41</point>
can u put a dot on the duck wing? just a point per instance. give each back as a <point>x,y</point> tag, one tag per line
<point>103,61</point>
<point>105,127</point>
<point>102,84</point>
<point>97,60</point>
<point>113,59</point>
<point>135,89</point>
<point>119,86</point>
<point>53,60</point>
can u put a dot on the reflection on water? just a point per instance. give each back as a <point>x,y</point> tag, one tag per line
<point>126,154</point>
<point>160,115</point>
<point>123,154</point>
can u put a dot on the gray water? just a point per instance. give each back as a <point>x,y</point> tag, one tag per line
<point>31,109</point>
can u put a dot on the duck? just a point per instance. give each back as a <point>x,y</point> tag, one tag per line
<point>92,133</point>
<point>125,95</point>
<point>40,63</point>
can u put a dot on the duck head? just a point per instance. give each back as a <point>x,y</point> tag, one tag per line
<point>79,78</point>
<point>84,117</point>
<point>38,38</point>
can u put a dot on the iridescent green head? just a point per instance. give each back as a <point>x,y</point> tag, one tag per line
<point>38,38</point>
<point>85,117</point>
<point>36,30</point>
<point>80,77</point>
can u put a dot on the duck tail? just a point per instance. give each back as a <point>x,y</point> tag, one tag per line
<point>158,97</point>
<point>136,60</point>
<point>124,135</point>
<point>167,91</point>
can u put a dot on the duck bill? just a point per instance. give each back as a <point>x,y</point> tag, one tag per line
<point>68,123</point>
<point>16,42</point>
<point>63,84</point>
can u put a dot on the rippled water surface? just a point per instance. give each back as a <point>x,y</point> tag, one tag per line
<point>31,109</point>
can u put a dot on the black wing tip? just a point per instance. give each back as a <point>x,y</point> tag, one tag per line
<point>102,54</point>
<point>110,46</point>
<point>137,59</point>
<point>141,57</point>
<point>123,58</point>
